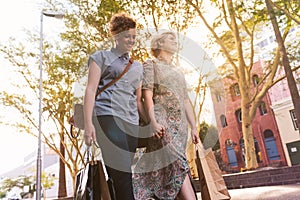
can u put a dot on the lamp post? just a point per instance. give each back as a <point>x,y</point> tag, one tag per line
<point>39,152</point>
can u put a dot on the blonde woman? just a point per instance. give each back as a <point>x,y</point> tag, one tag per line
<point>163,171</point>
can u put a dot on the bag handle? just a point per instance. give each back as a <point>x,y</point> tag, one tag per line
<point>104,188</point>
<point>200,148</point>
<point>91,152</point>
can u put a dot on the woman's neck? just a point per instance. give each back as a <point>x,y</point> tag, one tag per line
<point>120,51</point>
<point>165,57</point>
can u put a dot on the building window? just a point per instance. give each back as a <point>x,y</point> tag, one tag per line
<point>255,79</point>
<point>218,97</point>
<point>236,90</point>
<point>238,115</point>
<point>268,134</point>
<point>223,121</point>
<point>292,30</point>
<point>294,119</point>
<point>272,39</point>
<point>229,143</point>
<point>262,108</point>
<point>263,43</point>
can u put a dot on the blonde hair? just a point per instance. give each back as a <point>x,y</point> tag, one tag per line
<point>154,46</point>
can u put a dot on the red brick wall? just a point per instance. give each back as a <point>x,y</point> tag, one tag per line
<point>228,106</point>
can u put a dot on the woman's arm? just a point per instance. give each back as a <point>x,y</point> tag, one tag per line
<point>94,74</point>
<point>149,105</point>
<point>140,104</point>
<point>158,129</point>
<point>191,120</point>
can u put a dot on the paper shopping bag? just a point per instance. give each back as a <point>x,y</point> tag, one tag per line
<point>213,186</point>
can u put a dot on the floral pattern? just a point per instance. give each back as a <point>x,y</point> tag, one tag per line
<point>161,170</point>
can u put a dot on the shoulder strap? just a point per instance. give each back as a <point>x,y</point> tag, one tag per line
<point>156,80</point>
<point>116,79</point>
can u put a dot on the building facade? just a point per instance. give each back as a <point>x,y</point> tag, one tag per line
<point>280,96</point>
<point>227,107</point>
<point>283,108</point>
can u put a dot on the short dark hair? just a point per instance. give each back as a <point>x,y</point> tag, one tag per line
<point>121,22</point>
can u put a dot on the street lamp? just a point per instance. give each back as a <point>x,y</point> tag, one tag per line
<point>57,15</point>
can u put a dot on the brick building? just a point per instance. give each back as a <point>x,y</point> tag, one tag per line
<point>227,103</point>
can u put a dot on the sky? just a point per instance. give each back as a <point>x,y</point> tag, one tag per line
<point>15,16</point>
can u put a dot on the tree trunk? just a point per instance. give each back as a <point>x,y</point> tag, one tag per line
<point>286,64</point>
<point>62,188</point>
<point>250,155</point>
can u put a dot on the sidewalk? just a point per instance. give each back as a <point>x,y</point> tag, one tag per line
<point>278,192</point>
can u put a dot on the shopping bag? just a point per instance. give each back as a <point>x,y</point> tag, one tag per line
<point>92,182</point>
<point>212,183</point>
<point>78,116</point>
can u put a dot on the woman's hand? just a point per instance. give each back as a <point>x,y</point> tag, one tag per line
<point>195,136</point>
<point>89,134</point>
<point>158,130</point>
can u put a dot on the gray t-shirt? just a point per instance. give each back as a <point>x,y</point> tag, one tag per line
<point>120,98</point>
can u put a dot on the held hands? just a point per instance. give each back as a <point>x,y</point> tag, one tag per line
<point>158,130</point>
<point>89,135</point>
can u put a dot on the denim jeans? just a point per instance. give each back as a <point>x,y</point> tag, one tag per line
<point>118,141</point>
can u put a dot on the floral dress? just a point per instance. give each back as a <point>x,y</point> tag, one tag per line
<point>161,170</point>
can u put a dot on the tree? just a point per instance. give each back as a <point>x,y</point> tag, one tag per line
<point>161,13</point>
<point>198,92</point>
<point>240,22</point>
<point>209,136</point>
<point>47,182</point>
<point>290,8</point>
<point>2,194</point>
<point>285,59</point>
<point>19,182</point>
<point>23,181</point>
<point>57,102</point>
